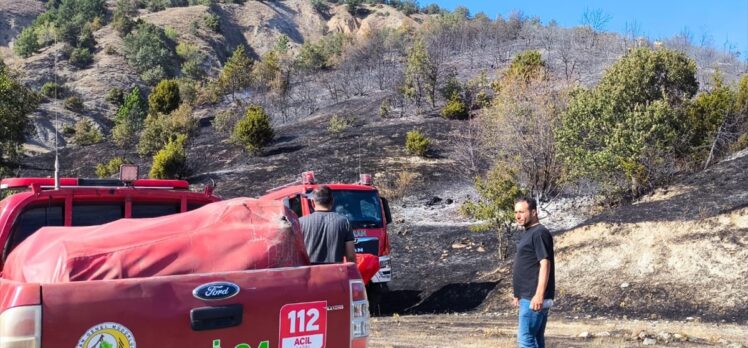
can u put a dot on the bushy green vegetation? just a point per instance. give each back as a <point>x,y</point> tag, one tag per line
<point>110,168</point>
<point>253,131</point>
<point>212,22</point>
<point>236,73</point>
<point>416,143</point>
<point>338,124</point>
<point>455,109</point>
<point>53,90</point>
<point>164,98</point>
<point>129,118</point>
<point>624,131</point>
<point>171,161</point>
<point>116,96</point>
<point>495,208</point>
<point>150,52</point>
<point>16,102</point>
<point>69,21</point>
<point>81,57</point>
<point>86,133</point>
<point>160,128</point>
<point>192,60</point>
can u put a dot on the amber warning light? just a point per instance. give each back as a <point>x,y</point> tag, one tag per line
<point>128,173</point>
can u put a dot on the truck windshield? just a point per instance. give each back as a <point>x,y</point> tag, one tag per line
<point>362,208</point>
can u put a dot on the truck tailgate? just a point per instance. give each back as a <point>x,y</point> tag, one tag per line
<point>156,312</point>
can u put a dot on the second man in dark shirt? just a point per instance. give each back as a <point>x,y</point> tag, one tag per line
<point>327,235</point>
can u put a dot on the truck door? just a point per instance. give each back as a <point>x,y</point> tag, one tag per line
<point>288,307</point>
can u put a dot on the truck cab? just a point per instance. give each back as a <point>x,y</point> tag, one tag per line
<point>32,203</point>
<point>368,213</point>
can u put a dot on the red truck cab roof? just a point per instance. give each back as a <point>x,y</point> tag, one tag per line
<point>35,203</point>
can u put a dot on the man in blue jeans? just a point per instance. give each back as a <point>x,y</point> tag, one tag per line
<point>533,277</point>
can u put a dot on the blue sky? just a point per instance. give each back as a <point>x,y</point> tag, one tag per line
<point>720,21</point>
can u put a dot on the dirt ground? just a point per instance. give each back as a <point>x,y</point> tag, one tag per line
<point>498,330</point>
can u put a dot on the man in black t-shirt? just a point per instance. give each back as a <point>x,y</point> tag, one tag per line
<point>533,276</point>
<point>327,235</point>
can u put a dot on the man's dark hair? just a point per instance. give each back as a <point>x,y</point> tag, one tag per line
<point>531,203</point>
<point>322,195</point>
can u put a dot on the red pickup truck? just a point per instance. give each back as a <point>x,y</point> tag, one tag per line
<point>299,306</point>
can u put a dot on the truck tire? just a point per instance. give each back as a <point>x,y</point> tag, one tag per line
<point>375,292</point>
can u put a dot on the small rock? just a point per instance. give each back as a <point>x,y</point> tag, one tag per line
<point>649,342</point>
<point>458,245</point>
<point>481,249</point>
<point>680,338</point>
<point>585,335</point>
<point>449,201</point>
<point>664,336</point>
<point>624,285</point>
<point>689,319</point>
<point>433,201</point>
<point>603,334</point>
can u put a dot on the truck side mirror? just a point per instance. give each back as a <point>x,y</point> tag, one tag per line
<point>387,212</point>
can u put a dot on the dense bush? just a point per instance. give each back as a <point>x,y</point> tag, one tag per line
<point>159,129</point>
<point>16,102</point>
<point>27,42</point>
<point>416,143</point>
<point>164,98</point>
<point>254,130</point>
<point>212,22</point>
<point>81,57</point>
<point>455,109</point>
<point>171,161</point>
<point>192,60</point>
<point>86,133</point>
<point>129,118</point>
<point>150,52</point>
<point>338,124</point>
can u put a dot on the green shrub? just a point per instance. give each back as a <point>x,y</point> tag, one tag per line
<point>109,169</point>
<point>212,22</point>
<point>159,129</point>
<point>338,124</point>
<point>171,33</point>
<point>53,90</point>
<point>171,161</point>
<point>27,42</point>
<point>73,103</point>
<point>115,96</point>
<point>188,90</point>
<point>86,133</point>
<point>192,60</point>
<point>455,109</point>
<point>150,52</point>
<point>164,98</point>
<point>254,130</point>
<point>129,118</point>
<point>416,143</point>
<point>81,57</point>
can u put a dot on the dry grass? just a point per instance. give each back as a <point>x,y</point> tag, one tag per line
<point>397,186</point>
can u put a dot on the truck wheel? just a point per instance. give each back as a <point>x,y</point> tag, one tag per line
<point>374,292</point>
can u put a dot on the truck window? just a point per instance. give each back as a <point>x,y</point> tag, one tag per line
<point>148,210</point>
<point>32,219</point>
<point>362,208</point>
<point>294,203</point>
<point>88,214</point>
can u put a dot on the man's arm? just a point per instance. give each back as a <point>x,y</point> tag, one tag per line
<point>536,303</point>
<point>350,251</point>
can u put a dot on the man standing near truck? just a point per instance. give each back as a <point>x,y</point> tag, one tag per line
<point>533,276</point>
<point>327,235</point>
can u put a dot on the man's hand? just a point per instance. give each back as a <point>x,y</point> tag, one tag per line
<point>515,301</point>
<point>536,304</point>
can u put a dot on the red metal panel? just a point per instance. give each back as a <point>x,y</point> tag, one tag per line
<point>157,310</point>
<point>14,294</point>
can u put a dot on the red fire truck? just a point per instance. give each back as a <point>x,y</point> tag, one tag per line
<point>368,213</point>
